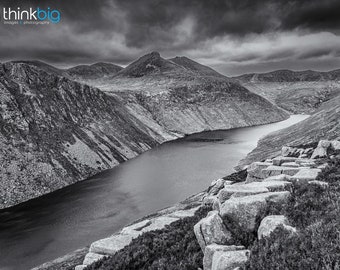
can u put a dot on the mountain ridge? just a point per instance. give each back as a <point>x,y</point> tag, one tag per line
<point>287,75</point>
<point>56,131</point>
<point>323,124</point>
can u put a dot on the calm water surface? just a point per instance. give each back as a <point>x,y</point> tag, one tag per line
<point>52,225</point>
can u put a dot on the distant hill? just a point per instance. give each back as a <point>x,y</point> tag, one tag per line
<point>294,91</point>
<point>323,124</point>
<point>151,63</point>
<point>41,65</point>
<point>55,131</point>
<point>198,68</point>
<point>94,71</point>
<point>79,73</point>
<point>290,76</point>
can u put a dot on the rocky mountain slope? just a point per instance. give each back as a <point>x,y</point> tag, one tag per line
<point>90,72</point>
<point>56,131</point>
<point>246,206</point>
<point>81,73</point>
<point>294,91</point>
<point>184,96</point>
<point>324,123</point>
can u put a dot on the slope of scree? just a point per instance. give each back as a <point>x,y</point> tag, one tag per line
<point>55,131</point>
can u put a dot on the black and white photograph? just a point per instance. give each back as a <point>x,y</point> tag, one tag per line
<point>169,135</point>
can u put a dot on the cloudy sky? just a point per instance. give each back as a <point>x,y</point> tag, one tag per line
<point>232,36</point>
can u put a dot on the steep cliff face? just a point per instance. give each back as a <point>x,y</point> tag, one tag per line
<point>296,92</point>
<point>324,124</point>
<point>209,106</point>
<point>183,96</point>
<point>55,131</point>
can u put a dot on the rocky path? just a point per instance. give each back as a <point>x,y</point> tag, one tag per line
<point>238,209</point>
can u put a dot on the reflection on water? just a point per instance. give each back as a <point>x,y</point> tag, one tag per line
<point>51,226</point>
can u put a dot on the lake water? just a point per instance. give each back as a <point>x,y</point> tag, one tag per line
<point>55,224</point>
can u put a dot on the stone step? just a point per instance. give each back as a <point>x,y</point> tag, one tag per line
<point>278,161</point>
<point>306,174</point>
<point>111,245</point>
<point>277,170</point>
<point>240,190</point>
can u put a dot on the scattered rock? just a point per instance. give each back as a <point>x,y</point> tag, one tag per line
<point>184,213</point>
<point>335,145</point>
<point>278,161</point>
<point>80,267</point>
<point>270,223</point>
<point>216,205</point>
<point>305,161</point>
<point>211,230</point>
<point>239,191</point>
<point>323,166</point>
<point>290,164</point>
<point>91,258</point>
<point>228,182</point>
<point>254,171</point>
<point>321,149</point>
<point>287,151</point>
<point>269,185</point>
<point>136,229</point>
<point>209,200</point>
<point>212,249</point>
<point>319,183</point>
<point>280,177</point>
<point>245,211</point>
<point>109,246</point>
<point>306,174</point>
<point>277,170</point>
<point>215,186</point>
<point>229,260</point>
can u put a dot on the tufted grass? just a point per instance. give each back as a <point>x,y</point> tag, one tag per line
<point>315,212</point>
<point>172,248</point>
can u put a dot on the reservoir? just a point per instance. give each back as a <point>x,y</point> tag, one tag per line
<point>55,224</point>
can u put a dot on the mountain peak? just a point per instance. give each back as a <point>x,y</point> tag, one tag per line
<point>151,63</point>
<point>194,66</point>
<point>154,53</point>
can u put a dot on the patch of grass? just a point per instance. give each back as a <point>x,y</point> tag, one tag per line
<point>315,211</point>
<point>307,145</point>
<point>172,248</point>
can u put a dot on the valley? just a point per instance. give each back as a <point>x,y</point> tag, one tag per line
<point>56,131</point>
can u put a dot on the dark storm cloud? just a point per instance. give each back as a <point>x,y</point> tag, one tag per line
<point>317,15</point>
<point>121,30</point>
<point>220,17</point>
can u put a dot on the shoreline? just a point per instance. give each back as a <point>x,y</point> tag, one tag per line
<point>183,137</point>
<point>157,213</point>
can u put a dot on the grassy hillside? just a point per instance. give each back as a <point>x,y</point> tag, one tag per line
<point>315,212</point>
